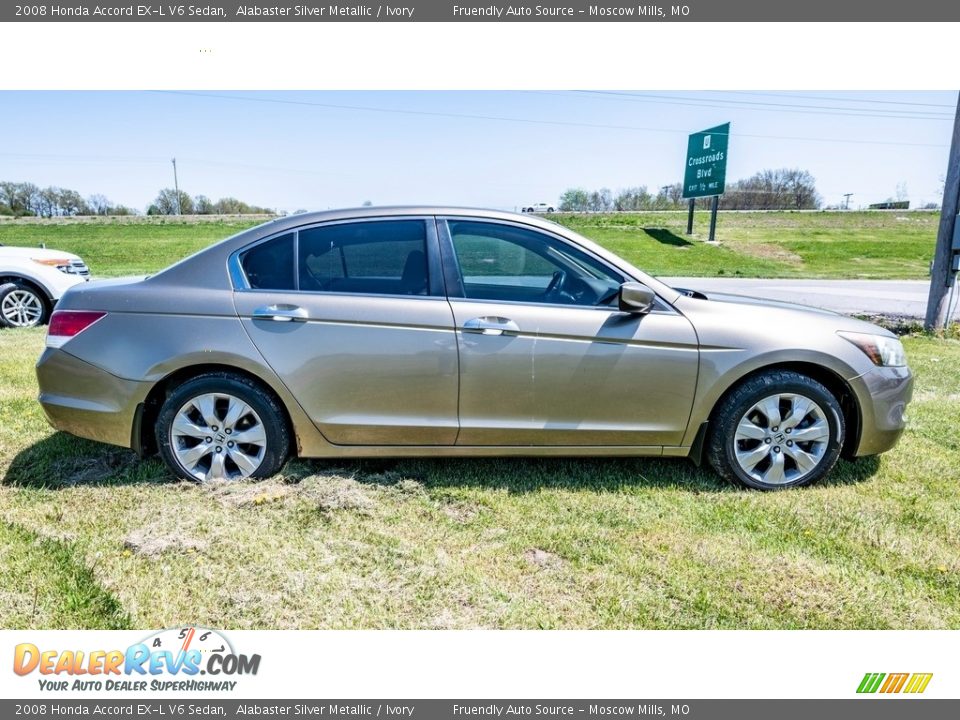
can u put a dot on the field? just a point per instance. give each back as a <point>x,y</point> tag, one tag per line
<point>879,245</point>
<point>93,538</point>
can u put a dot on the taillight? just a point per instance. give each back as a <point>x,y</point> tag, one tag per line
<point>65,324</point>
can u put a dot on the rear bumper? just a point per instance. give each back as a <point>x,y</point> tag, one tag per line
<point>883,394</point>
<point>83,400</point>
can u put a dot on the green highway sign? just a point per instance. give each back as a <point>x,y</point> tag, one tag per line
<point>705,173</point>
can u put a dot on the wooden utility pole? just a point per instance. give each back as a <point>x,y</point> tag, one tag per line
<point>176,185</point>
<point>942,275</point>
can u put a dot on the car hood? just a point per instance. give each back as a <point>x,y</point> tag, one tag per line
<point>776,313</point>
<point>30,253</point>
<point>766,302</point>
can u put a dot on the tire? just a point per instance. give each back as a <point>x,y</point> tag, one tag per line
<point>549,210</point>
<point>4,289</point>
<point>194,451</point>
<point>22,305</point>
<point>751,440</point>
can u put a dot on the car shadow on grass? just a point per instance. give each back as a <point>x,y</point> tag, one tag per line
<point>62,460</point>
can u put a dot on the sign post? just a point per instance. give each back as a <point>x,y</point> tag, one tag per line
<point>705,172</point>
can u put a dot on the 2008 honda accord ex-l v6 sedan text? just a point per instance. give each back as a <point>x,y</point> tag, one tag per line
<point>395,332</point>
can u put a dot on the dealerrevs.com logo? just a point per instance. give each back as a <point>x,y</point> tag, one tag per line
<point>181,659</point>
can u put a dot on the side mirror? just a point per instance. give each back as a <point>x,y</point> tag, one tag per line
<point>636,298</point>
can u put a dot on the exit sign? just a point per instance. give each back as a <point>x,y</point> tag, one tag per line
<point>705,173</point>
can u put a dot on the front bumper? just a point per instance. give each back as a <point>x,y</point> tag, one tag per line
<point>883,394</point>
<point>83,400</point>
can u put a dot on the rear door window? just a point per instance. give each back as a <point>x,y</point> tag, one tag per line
<point>385,257</point>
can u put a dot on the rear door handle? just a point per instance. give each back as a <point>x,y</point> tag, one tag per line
<point>281,313</point>
<point>491,326</point>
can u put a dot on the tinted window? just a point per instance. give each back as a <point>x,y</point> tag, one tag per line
<point>383,257</point>
<point>509,263</point>
<point>269,266</point>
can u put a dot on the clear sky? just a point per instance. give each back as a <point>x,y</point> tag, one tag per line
<point>504,149</point>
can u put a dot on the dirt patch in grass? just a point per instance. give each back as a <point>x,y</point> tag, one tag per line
<point>326,492</point>
<point>541,558</point>
<point>153,541</point>
<point>331,494</point>
<point>461,512</point>
<point>244,494</point>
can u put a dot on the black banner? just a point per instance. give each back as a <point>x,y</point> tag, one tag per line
<point>473,11</point>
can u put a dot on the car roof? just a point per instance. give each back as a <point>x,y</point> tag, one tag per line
<point>399,210</point>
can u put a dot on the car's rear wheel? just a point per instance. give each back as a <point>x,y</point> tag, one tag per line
<point>220,426</point>
<point>22,305</point>
<point>778,429</point>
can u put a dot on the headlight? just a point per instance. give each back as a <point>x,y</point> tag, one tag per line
<point>61,264</point>
<point>881,349</point>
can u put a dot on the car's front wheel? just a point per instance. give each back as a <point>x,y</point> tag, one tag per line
<point>220,426</point>
<point>22,305</point>
<point>778,429</point>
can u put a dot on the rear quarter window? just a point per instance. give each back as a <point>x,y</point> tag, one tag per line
<point>269,265</point>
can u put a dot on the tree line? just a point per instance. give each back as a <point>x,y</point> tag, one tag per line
<point>166,204</point>
<point>26,199</point>
<point>783,189</point>
<point>23,199</point>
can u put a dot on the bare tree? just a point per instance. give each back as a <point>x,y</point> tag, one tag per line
<point>166,203</point>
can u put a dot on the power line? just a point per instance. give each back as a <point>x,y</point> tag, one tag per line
<point>768,107</point>
<point>498,118</point>
<point>832,99</point>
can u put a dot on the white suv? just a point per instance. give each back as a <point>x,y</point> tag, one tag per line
<point>32,280</point>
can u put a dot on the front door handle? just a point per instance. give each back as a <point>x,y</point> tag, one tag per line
<point>281,313</point>
<point>491,326</point>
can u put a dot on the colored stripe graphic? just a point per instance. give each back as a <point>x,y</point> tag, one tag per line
<point>894,683</point>
<point>870,682</point>
<point>918,682</point>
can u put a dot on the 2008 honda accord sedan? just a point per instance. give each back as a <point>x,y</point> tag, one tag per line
<point>430,331</point>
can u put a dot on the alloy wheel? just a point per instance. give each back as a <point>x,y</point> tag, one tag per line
<point>781,439</point>
<point>217,436</point>
<point>22,308</point>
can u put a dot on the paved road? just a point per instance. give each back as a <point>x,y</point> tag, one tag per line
<point>888,297</point>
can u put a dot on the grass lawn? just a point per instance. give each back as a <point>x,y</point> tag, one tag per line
<point>91,537</point>
<point>879,245</point>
